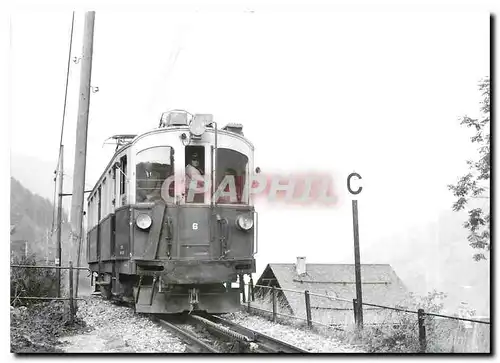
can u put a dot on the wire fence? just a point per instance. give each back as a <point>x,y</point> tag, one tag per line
<point>430,331</point>
<point>18,294</point>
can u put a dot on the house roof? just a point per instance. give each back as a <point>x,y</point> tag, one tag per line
<point>380,285</point>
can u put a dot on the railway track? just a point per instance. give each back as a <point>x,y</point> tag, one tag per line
<point>237,338</point>
<point>194,343</point>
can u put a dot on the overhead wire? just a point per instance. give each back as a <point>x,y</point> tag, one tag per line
<point>53,229</point>
<point>67,78</point>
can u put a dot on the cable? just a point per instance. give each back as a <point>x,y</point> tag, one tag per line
<point>67,76</point>
<point>63,117</point>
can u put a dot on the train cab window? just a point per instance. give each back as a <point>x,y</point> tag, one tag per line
<point>154,165</point>
<point>195,171</point>
<point>230,177</point>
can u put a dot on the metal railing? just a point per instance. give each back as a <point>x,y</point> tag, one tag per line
<point>355,307</point>
<point>70,297</point>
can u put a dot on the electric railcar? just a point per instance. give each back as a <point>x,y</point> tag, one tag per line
<point>167,240</point>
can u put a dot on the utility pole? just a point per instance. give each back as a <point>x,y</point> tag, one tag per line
<point>59,218</point>
<point>81,140</point>
<point>357,265</point>
<point>357,259</point>
<point>46,246</point>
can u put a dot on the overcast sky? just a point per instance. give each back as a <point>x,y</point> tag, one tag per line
<point>375,93</point>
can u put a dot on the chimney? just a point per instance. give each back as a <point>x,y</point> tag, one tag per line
<point>301,266</point>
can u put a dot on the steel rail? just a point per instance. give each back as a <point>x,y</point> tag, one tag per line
<point>187,335</point>
<point>222,329</point>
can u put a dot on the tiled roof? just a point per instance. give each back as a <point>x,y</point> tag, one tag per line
<point>380,285</point>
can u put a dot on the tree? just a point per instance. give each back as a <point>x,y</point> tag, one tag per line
<point>475,184</point>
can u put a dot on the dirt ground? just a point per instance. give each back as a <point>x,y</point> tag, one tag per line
<point>111,328</point>
<point>100,327</point>
<point>37,329</point>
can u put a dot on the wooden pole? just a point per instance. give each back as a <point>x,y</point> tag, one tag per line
<point>59,218</point>
<point>357,265</point>
<point>71,301</point>
<point>81,140</point>
<point>355,310</point>
<point>308,309</point>
<point>46,246</point>
<point>273,292</point>
<point>421,331</point>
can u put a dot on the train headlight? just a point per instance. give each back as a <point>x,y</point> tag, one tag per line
<point>198,124</point>
<point>244,222</point>
<point>143,221</point>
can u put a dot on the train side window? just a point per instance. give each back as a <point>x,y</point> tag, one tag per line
<point>104,198</point>
<point>99,204</point>
<point>123,181</point>
<point>195,170</point>
<point>91,213</point>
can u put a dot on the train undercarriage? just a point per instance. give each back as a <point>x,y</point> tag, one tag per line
<point>168,288</point>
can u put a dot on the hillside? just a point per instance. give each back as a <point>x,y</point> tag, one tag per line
<point>32,216</point>
<point>34,174</point>
<point>438,256</point>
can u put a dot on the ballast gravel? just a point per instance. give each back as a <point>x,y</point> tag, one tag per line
<point>308,340</point>
<point>112,328</point>
<point>117,329</point>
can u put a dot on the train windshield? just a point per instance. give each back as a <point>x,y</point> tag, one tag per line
<point>154,165</point>
<point>231,175</point>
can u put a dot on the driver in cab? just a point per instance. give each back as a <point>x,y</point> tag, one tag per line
<point>194,172</point>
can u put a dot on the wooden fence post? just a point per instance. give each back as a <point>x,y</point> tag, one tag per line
<point>273,293</point>
<point>251,284</point>
<point>308,308</point>
<point>249,296</point>
<point>71,302</point>
<point>355,309</point>
<point>421,331</point>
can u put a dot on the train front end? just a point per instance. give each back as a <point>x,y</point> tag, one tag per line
<point>193,226</point>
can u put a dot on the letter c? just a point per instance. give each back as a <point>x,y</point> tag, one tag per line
<point>349,183</point>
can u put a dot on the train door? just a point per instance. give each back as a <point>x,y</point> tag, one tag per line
<point>195,173</point>
<point>194,224</point>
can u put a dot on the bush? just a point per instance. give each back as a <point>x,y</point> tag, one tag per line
<point>402,335</point>
<point>34,282</point>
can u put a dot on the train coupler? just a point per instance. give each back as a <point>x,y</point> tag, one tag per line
<point>193,299</point>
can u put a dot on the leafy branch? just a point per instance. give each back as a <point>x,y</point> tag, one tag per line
<point>475,183</point>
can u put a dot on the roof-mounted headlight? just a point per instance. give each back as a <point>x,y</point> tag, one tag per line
<point>198,124</point>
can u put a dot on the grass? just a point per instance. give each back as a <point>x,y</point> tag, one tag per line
<point>31,282</point>
<point>391,331</point>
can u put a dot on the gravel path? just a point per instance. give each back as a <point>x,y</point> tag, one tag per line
<point>116,329</point>
<point>313,342</point>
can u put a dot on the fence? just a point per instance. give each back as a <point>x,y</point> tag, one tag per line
<point>70,297</point>
<point>337,313</point>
